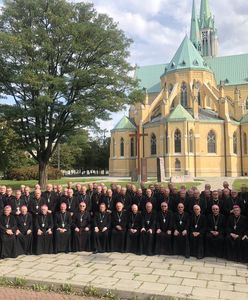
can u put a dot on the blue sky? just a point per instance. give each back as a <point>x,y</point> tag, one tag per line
<point>157,28</point>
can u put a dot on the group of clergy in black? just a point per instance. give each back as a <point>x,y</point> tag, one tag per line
<point>154,220</point>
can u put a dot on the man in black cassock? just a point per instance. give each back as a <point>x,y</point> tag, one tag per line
<point>7,233</point>
<point>164,225</point>
<point>16,203</point>
<point>102,223</point>
<point>84,197</point>
<point>216,225</point>
<point>243,197</point>
<point>35,204</point>
<point>62,230</point>
<point>50,199</point>
<point>215,200</point>
<point>197,200</point>
<point>81,225</point>
<point>109,201</point>
<point>71,202</point>
<point>119,225</point>
<point>24,232</point>
<point>8,197</point>
<point>236,229</point>
<point>197,232</point>
<point>181,232</point>
<point>232,201</point>
<point>96,200</point>
<point>26,197</point>
<point>44,231</point>
<point>133,230</point>
<point>147,232</point>
<point>125,198</point>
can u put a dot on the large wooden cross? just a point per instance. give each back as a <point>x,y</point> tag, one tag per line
<point>138,136</point>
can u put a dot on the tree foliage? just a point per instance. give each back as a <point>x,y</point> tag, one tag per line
<point>64,65</point>
<point>11,154</point>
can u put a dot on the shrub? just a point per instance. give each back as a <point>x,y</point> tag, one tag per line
<point>32,173</point>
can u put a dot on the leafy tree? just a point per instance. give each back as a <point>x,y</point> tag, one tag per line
<point>11,155</point>
<point>69,152</point>
<point>64,65</point>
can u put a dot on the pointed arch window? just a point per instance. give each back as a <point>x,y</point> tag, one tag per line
<point>153,144</point>
<point>113,141</point>
<point>177,165</point>
<point>235,143</point>
<point>191,141</point>
<point>184,96</point>
<point>178,141</point>
<point>199,98</point>
<point>170,88</point>
<point>132,147</point>
<point>211,142</point>
<point>122,147</point>
<point>245,142</point>
<point>246,104</point>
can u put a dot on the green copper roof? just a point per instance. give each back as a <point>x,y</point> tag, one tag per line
<point>187,57</point>
<point>231,70</point>
<point>194,30</point>
<point>205,14</point>
<point>244,119</point>
<point>180,114</point>
<point>125,124</point>
<point>150,77</point>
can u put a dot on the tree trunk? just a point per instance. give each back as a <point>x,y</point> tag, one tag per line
<point>43,174</point>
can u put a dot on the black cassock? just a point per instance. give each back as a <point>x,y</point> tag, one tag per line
<point>133,239</point>
<point>215,244</point>
<point>8,248</point>
<point>44,242</point>
<point>218,202</point>
<point>62,240</point>
<point>23,240</point>
<point>96,199</point>
<point>72,204</point>
<point>34,206</point>
<point>51,200</point>
<point>81,239</point>
<point>201,202</point>
<point>15,204</point>
<point>197,224</point>
<point>147,238</point>
<point>163,239</point>
<point>118,236</point>
<point>101,239</point>
<point>85,198</point>
<point>234,247</point>
<point>181,242</point>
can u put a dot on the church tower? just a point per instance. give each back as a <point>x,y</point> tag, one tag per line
<point>203,33</point>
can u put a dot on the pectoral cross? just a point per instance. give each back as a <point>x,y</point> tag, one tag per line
<point>138,136</point>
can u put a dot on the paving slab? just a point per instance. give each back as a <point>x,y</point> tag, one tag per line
<point>130,276</point>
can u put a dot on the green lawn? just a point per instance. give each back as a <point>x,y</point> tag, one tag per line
<point>16,184</point>
<point>238,182</point>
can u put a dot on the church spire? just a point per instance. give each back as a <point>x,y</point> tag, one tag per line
<point>194,30</point>
<point>205,13</point>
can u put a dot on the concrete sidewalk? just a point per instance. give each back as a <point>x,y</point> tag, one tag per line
<point>129,276</point>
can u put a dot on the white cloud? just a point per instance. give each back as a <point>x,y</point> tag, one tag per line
<point>158,26</point>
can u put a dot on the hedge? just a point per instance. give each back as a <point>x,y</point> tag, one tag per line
<point>32,173</point>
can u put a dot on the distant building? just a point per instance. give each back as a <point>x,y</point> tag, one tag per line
<point>195,112</point>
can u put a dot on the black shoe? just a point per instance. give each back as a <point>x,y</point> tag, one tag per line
<point>95,252</point>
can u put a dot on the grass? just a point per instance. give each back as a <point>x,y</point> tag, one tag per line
<point>238,183</point>
<point>16,184</point>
